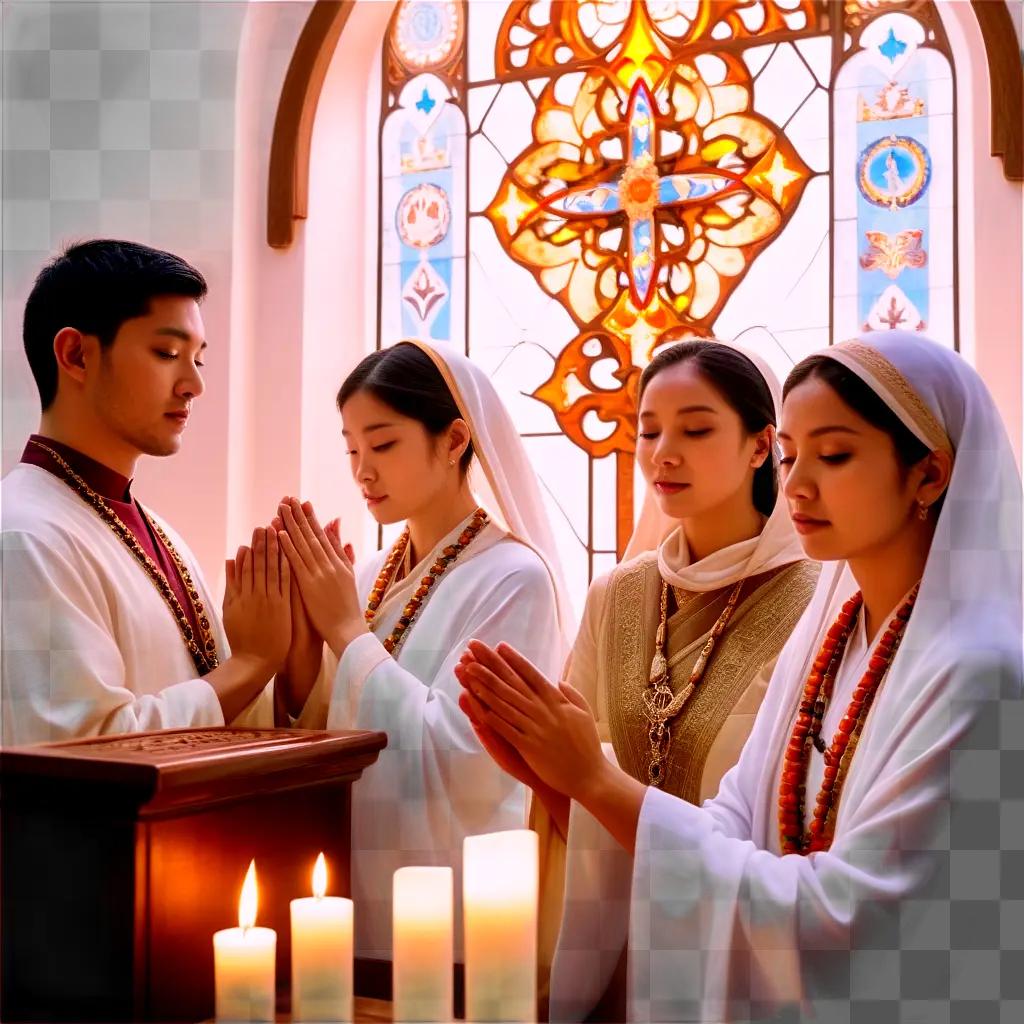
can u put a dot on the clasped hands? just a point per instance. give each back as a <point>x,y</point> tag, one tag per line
<point>545,736</point>
<point>290,591</point>
<point>542,734</point>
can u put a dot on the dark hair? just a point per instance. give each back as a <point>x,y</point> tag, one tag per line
<point>862,400</point>
<point>94,287</point>
<point>744,389</point>
<point>405,378</point>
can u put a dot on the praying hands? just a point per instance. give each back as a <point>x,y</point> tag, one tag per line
<point>323,569</point>
<point>545,736</point>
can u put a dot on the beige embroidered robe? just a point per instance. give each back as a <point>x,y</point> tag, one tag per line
<point>610,665</point>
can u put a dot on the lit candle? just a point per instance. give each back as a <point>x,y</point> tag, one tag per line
<point>321,953</point>
<point>422,944</point>
<point>243,962</point>
<point>499,896</point>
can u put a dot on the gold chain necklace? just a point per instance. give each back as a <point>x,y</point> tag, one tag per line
<point>204,654</point>
<point>661,705</point>
<point>436,571</point>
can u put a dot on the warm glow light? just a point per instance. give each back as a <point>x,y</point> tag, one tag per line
<point>778,176</point>
<point>249,899</point>
<point>642,57</point>
<point>515,208</point>
<point>320,877</point>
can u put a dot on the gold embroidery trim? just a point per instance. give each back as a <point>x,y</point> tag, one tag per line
<point>761,625</point>
<point>888,375</point>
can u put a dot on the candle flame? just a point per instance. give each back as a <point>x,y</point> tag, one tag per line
<point>249,899</point>
<point>320,877</point>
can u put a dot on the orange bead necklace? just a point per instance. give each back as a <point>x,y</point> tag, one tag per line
<point>390,567</point>
<point>807,729</point>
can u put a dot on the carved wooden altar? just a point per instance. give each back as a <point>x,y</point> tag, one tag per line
<point>121,856</point>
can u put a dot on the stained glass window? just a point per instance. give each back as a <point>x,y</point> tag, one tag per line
<point>561,183</point>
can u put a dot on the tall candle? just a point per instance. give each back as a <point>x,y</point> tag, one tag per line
<point>422,945</point>
<point>243,962</point>
<point>321,953</point>
<point>499,894</point>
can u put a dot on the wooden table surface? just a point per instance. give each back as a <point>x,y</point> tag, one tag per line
<point>371,1011</point>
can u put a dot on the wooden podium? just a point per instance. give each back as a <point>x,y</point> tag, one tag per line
<point>121,856</point>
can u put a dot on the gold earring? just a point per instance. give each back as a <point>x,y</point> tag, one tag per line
<point>922,510</point>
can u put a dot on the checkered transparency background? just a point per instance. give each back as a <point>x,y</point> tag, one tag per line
<point>118,121</point>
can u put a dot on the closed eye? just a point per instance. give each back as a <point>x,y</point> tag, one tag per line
<point>382,447</point>
<point>837,459</point>
<point>698,433</point>
<point>649,436</point>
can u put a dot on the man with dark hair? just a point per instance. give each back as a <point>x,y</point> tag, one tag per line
<point>108,626</point>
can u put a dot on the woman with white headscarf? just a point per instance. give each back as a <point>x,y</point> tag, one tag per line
<point>431,445</point>
<point>825,836</point>
<point>678,642</point>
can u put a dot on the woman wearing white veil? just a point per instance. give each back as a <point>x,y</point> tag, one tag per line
<point>765,902</point>
<point>432,445</point>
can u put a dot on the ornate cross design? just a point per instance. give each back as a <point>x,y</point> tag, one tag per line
<point>639,191</point>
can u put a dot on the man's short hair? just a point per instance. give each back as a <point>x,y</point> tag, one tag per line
<point>94,287</point>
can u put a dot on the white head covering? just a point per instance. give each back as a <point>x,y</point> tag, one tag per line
<point>756,915</point>
<point>776,545</point>
<point>970,602</point>
<point>970,593</point>
<point>502,477</point>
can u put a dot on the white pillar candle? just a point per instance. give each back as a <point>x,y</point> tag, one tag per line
<point>422,944</point>
<point>499,893</point>
<point>321,953</point>
<point>243,963</point>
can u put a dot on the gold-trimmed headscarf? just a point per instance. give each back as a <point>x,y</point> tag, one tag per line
<point>870,364</point>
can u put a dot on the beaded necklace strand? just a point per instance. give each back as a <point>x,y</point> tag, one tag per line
<point>390,567</point>
<point>203,651</point>
<point>810,717</point>
<point>661,705</point>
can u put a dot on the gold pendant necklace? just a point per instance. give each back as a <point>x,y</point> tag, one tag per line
<point>661,705</point>
<point>203,651</point>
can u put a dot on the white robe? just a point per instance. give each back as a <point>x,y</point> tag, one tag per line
<point>719,923</point>
<point>433,785</point>
<point>89,645</point>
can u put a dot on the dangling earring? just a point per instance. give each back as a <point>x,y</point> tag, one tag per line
<point>922,510</point>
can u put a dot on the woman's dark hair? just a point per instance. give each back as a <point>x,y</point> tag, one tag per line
<point>94,287</point>
<point>862,400</point>
<point>742,386</point>
<point>405,378</point>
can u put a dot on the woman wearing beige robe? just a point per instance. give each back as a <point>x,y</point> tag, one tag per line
<point>714,553</point>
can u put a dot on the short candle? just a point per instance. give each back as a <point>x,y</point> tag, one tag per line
<point>321,953</point>
<point>243,962</point>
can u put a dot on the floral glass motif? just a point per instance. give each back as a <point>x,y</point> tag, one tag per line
<point>645,195</point>
<point>623,168</point>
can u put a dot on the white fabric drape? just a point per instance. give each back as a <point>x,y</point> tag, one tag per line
<point>502,477</point>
